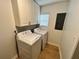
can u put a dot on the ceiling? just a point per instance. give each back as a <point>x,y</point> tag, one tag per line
<point>45,2</point>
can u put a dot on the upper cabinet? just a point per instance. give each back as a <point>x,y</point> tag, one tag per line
<point>26,12</point>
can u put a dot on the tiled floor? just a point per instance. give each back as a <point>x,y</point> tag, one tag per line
<point>50,52</point>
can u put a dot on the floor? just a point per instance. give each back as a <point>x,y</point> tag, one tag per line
<point>50,52</point>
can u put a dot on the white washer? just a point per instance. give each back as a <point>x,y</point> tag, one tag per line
<point>44,34</point>
<point>29,45</point>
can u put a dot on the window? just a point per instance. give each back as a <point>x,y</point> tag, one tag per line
<point>43,19</point>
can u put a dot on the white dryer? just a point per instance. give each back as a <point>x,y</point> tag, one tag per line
<point>44,34</point>
<point>29,45</point>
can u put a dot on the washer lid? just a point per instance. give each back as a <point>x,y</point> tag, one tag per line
<point>40,31</point>
<point>28,38</point>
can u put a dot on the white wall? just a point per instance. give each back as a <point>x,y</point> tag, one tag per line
<point>7,41</point>
<point>71,30</point>
<point>25,11</point>
<point>54,36</point>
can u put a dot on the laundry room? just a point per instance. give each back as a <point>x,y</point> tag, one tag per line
<point>39,29</point>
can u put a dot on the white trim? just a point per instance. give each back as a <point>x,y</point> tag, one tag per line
<point>53,44</point>
<point>15,57</point>
<point>58,47</point>
<point>77,41</point>
<point>60,53</point>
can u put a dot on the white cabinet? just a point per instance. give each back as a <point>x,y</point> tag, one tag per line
<point>26,12</point>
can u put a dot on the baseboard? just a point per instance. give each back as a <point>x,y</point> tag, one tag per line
<point>60,53</point>
<point>15,57</point>
<point>58,47</point>
<point>53,44</point>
